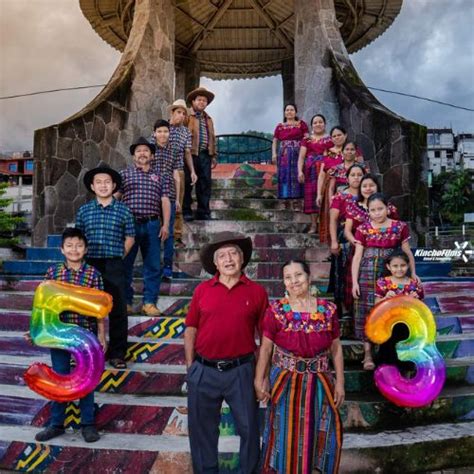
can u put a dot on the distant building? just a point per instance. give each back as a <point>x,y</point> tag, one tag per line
<point>441,150</point>
<point>15,166</point>
<point>465,150</point>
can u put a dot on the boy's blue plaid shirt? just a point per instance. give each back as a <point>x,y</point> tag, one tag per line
<point>87,276</point>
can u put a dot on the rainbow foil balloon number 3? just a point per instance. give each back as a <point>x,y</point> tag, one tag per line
<point>47,330</point>
<point>419,348</point>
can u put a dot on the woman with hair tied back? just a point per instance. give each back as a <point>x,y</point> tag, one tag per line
<point>313,148</point>
<point>285,149</point>
<point>303,430</point>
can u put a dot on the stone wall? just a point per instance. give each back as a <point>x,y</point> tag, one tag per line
<point>393,146</point>
<point>314,78</point>
<point>138,93</point>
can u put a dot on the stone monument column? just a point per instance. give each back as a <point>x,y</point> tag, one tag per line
<point>288,78</point>
<point>137,94</point>
<point>314,78</point>
<point>188,75</point>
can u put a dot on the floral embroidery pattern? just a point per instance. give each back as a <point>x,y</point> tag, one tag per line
<point>392,233</point>
<point>321,320</point>
<point>385,284</point>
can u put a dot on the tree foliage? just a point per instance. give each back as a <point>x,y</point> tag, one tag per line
<point>452,196</point>
<point>8,222</point>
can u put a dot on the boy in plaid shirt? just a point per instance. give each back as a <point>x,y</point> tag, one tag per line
<point>74,270</point>
<point>110,230</point>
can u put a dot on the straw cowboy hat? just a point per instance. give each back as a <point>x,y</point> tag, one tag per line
<point>200,91</point>
<point>177,104</point>
<point>89,176</point>
<point>221,240</point>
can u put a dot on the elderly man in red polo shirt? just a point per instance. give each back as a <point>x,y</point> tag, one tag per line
<point>225,315</point>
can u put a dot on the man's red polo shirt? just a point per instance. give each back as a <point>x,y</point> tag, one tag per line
<point>227,319</point>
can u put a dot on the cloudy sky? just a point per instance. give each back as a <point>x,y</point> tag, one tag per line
<point>48,44</point>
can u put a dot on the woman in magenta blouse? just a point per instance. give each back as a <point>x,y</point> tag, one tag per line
<point>303,430</point>
<point>313,148</point>
<point>288,136</point>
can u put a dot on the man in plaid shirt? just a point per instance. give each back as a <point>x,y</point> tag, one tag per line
<point>147,195</point>
<point>75,271</point>
<point>110,230</point>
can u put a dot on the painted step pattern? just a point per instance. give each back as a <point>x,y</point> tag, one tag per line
<point>143,409</point>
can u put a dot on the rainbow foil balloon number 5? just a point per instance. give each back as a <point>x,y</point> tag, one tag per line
<point>47,330</point>
<point>419,348</point>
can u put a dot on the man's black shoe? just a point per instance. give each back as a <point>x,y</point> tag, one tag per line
<point>188,217</point>
<point>49,433</point>
<point>90,434</point>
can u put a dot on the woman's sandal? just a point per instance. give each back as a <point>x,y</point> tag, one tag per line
<point>118,363</point>
<point>312,230</point>
<point>368,364</point>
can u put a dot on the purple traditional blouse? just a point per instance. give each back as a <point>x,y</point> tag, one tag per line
<point>284,131</point>
<point>302,334</point>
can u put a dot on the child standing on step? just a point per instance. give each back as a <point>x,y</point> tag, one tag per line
<point>374,241</point>
<point>397,282</point>
<point>74,270</point>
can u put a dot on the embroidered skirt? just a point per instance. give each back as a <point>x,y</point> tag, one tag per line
<point>311,170</point>
<point>303,429</point>
<point>288,185</point>
<point>371,268</point>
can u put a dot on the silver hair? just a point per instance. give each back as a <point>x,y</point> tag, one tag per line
<point>229,245</point>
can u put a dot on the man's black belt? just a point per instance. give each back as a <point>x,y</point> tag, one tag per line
<point>144,220</point>
<point>225,364</point>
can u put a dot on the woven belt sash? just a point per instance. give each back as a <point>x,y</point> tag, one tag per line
<point>288,361</point>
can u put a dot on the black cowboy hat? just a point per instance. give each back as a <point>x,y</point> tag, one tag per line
<point>89,176</point>
<point>142,141</point>
<point>222,239</point>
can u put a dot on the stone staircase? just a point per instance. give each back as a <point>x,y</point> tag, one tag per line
<point>141,411</point>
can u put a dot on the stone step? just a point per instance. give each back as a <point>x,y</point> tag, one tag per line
<point>245,183</point>
<point>385,451</point>
<point>245,214</point>
<point>254,270</point>
<point>244,193</point>
<point>191,254</point>
<point>169,379</point>
<point>170,351</point>
<point>177,287</point>
<point>258,204</point>
<point>260,271</point>
<point>260,239</point>
<point>158,415</point>
<point>451,288</point>
<point>207,228</point>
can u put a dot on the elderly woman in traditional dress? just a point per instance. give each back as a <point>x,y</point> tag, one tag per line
<point>288,136</point>
<point>303,430</point>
